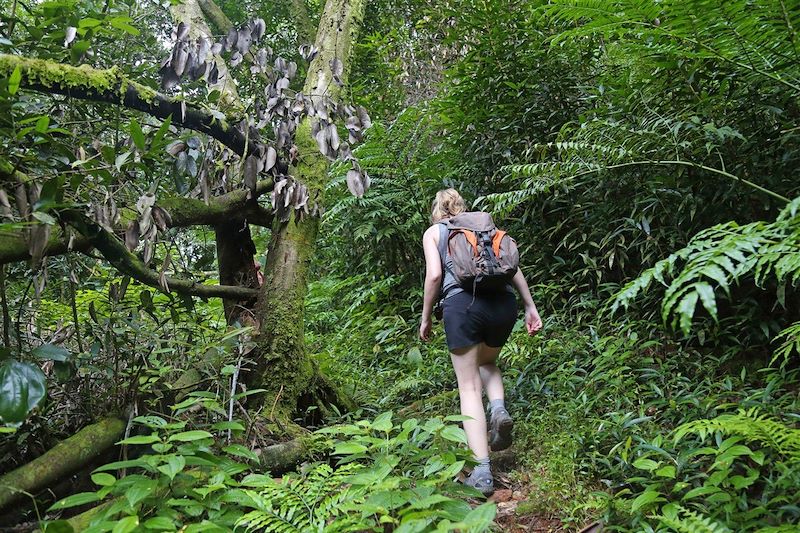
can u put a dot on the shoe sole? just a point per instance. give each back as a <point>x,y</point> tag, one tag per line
<point>501,434</point>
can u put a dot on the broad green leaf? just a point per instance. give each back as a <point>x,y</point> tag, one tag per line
<point>137,134</point>
<point>700,491</point>
<point>14,81</point>
<point>232,425</point>
<point>349,448</point>
<point>102,479</point>
<point>645,464</point>
<point>140,439</point>
<point>22,387</point>
<point>241,451</point>
<point>44,218</point>
<point>74,500</point>
<point>666,471</point>
<point>455,434</point>
<point>122,24</point>
<point>126,525</point>
<point>646,498</point>
<point>188,436</point>
<point>140,490</point>
<point>51,352</point>
<point>174,465</point>
<point>159,523</point>
<point>383,422</point>
<point>481,517</point>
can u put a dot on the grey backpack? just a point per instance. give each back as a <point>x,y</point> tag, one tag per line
<point>484,258</point>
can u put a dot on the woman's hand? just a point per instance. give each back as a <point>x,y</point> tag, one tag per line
<point>425,329</point>
<point>532,320</point>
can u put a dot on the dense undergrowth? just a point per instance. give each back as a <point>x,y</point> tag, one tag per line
<point>643,154</point>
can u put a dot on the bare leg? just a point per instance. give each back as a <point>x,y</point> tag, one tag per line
<point>490,374</point>
<point>465,364</point>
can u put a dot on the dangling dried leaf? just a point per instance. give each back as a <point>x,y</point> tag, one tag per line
<point>198,71</point>
<point>161,217</point>
<point>145,201</point>
<point>216,49</point>
<point>366,181</point>
<point>230,39</point>
<point>147,253</point>
<point>179,58</point>
<point>203,48</point>
<point>308,52</point>
<point>69,35</point>
<point>271,159</point>
<point>363,116</point>
<point>162,275</point>
<point>259,28</point>
<point>37,243</point>
<point>333,138</point>
<point>175,147</point>
<point>316,126</point>
<point>213,74</point>
<point>354,183</point>
<point>291,70</point>
<point>132,236</point>
<point>322,141</point>
<point>345,154</point>
<point>21,196</point>
<point>182,31</point>
<point>168,78</point>
<point>5,205</point>
<point>243,41</point>
<point>337,67</point>
<point>293,153</point>
<point>204,188</point>
<point>282,84</point>
<point>40,282</point>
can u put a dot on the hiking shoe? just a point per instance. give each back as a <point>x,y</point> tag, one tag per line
<point>500,426</point>
<point>481,480</point>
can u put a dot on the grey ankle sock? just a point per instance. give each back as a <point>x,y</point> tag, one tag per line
<point>496,404</point>
<point>483,465</point>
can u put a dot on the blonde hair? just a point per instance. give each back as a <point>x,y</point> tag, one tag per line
<point>448,203</point>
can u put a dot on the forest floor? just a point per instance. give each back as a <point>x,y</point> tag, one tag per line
<point>508,497</point>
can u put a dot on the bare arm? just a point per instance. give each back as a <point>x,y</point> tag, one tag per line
<point>532,320</point>
<point>433,279</point>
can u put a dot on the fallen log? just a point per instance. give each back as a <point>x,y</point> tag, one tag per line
<point>64,458</point>
<point>284,457</point>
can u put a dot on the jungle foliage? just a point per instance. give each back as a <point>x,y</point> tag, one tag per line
<point>642,152</point>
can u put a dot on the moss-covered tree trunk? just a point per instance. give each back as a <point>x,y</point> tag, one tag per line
<point>284,368</point>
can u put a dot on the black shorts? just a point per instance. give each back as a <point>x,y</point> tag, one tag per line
<point>487,319</point>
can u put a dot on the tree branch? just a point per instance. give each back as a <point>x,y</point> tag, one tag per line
<point>111,86</point>
<point>115,252</point>
<point>183,212</point>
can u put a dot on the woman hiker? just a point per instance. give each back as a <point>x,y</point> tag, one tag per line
<point>476,326</point>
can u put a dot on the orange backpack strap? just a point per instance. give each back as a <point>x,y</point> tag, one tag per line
<point>496,240</point>
<point>473,240</point>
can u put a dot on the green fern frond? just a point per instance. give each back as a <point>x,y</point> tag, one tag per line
<point>750,425</point>
<point>718,258</point>
<point>683,520</point>
<point>312,502</point>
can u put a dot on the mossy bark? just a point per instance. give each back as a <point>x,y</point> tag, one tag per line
<point>111,86</point>
<point>64,458</point>
<point>283,366</point>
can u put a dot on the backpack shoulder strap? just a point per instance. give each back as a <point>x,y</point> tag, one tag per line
<point>444,234</point>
